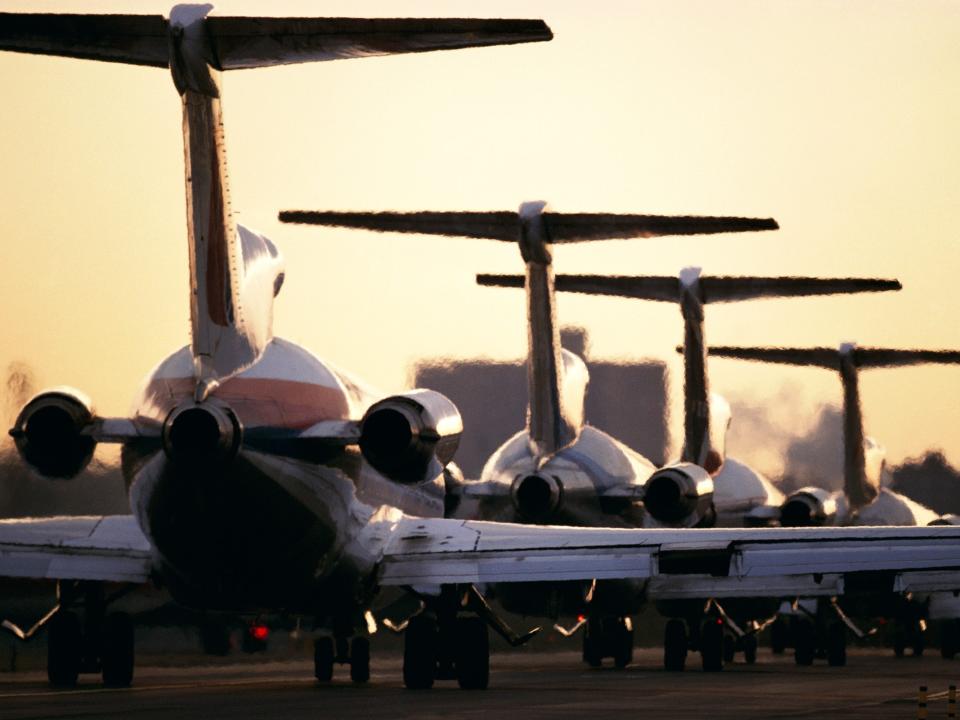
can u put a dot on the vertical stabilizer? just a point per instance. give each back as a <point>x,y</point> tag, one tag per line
<point>862,458</point>
<point>554,418</point>
<point>235,273</point>
<point>704,430</point>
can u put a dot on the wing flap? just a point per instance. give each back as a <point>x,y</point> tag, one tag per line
<point>110,548</point>
<point>734,562</point>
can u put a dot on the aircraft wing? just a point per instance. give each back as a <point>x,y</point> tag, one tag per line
<point>107,548</point>
<point>675,563</point>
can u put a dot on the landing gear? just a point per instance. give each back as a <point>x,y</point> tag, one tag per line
<point>675,645</point>
<point>360,659</point>
<point>472,654</point>
<point>608,637</point>
<point>837,644</point>
<point>949,638</point>
<point>99,643</point>
<point>356,653</point>
<point>750,649</point>
<point>711,645</point>
<point>64,649</point>
<point>804,642</point>
<point>729,647</point>
<point>420,652</point>
<point>779,635</point>
<point>116,650</point>
<point>323,659</point>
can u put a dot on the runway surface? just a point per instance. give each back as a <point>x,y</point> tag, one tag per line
<point>528,685</point>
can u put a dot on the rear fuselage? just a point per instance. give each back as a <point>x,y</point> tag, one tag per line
<point>263,529</point>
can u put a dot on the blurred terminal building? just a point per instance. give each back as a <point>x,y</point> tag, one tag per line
<point>625,399</point>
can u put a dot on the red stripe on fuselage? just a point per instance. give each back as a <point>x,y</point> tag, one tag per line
<point>257,402</point>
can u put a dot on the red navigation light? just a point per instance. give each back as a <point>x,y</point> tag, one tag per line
<point>719,621</point>
<point>259,632</point>
<point>581,618</point>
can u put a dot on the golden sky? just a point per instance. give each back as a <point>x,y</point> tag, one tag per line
<point>839,119</point>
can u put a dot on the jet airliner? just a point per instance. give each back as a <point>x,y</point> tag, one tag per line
<point>262,479</point>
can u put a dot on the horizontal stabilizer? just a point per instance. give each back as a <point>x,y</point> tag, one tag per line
<point>560,227</point>
<point>713,289</point>
<point>131,39</point>
<point>248,42</point>
<point>831,357</point>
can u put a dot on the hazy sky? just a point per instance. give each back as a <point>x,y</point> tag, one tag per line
<point>839,119</point>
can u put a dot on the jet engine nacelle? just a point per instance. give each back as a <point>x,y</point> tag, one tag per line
<point>949,519</point>
<point>49,433</point>
<point>809,507</point>
<point>411,437</point>
<point>536,496</point>
<point>201,433</point>
<point>680,495</point>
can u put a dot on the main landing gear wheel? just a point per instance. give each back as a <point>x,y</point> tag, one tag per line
<point>729,648</point>
<point>711,645</point>
<point>779,633</point>
<point>360,659</point>
<point>837,645</point>
<point>949,639</point>
<point>675,645</point>
<point>64,649</point>
<point>323,659</point>
<point>116,655</point>
<point>804,643</point>
<point>592,646</point>
<point>623,643</point>
<point>472,653</point>
<point>750,649</point>
<point>420,652</point>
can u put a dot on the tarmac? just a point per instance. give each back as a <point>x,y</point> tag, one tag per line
<point>530,685</point>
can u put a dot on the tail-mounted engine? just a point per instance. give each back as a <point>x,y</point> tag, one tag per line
<point>49,433</point>
<point>411,437</point>
<point>201,434</point>
<point>536,497</point>
<point>680,495</point>
<point>809,507</point>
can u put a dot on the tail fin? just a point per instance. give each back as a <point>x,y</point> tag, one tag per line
<point>556,398</point>
<point>861,475</point>
<point>692,291</point>
<point>234,273</point>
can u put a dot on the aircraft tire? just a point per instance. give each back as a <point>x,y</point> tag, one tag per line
<point>750,649</point>
<point>64,649</point>
<point>360,659</point>
<point>472,653</point>
<point>592,645</point>
<point>837,645</point>
<point>420,653</point>
<point>729,648</point>
<point>804,644</point>
<point>623,643</point>
<point>117,650</point>
<point>711,646</point>
<point>778,636</point>
<point>919,642</point>
<point>675,645</point>
<point>949,639</point>
<point>323,659</point>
